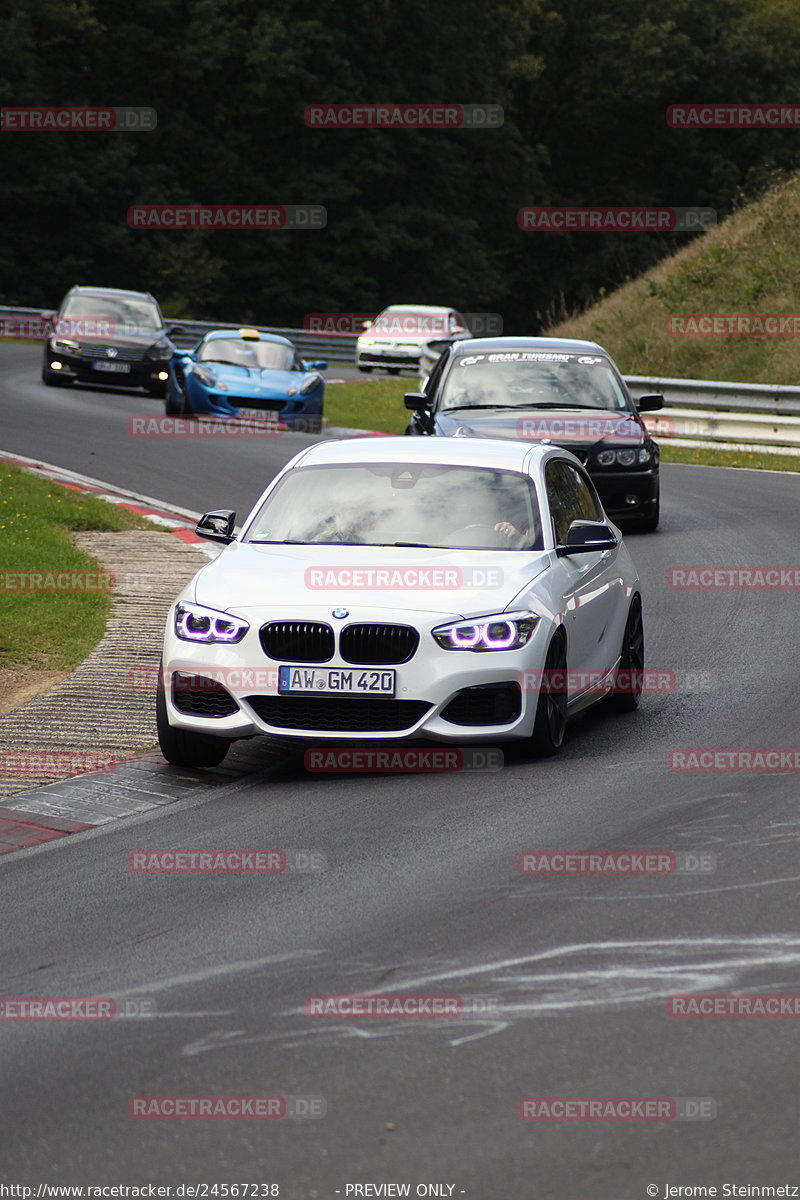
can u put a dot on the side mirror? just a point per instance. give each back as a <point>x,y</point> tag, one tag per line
<point>650,403</point>
<point>417,402</point>
<point>174,331</point>
<point>457,329</point>
<point>316,366</point>
<point>217,526</point>
<point>585,536</point>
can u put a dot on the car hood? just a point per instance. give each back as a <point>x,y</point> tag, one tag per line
<point>263,380</point>
<point>285,579</point>
<point>571,428</point>
<point>141,341</point>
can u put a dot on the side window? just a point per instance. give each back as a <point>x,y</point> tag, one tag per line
<point>585,496</point>
<point>570,498</point>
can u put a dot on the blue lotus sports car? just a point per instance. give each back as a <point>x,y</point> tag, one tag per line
<point>230,370</point>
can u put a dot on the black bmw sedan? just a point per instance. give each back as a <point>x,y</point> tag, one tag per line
<point>558,390</point>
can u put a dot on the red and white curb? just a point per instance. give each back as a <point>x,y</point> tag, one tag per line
<point>179,521</point>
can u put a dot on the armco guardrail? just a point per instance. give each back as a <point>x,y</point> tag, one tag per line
<point>335,347</point>
<point>751,413</point>
<point>720,395</point>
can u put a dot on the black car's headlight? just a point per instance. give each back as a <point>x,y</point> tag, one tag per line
<point>159,352</point>
<point>623,458</point>
<point>310,385</point>
<point>501,631</point>
<point>65,346</point>
<point>193,623</point>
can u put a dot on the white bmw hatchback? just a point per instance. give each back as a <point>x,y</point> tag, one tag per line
<point>394,588</point>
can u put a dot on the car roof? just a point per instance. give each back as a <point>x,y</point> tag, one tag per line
<point>494,344</point>
<point>106,291</point>
<point>237,333</point>
<point>422,308</point>
<point>494,453</point>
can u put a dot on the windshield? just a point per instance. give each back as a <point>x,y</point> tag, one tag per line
<point>378,504</point>
<point>247,352</point>
<point>410,320</point>
<point>125,313</point>
<point>533,379</point>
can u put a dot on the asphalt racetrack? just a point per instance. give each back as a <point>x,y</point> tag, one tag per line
<point>567,977</point>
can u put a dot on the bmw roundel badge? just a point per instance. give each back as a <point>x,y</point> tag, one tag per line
<point>341,613</point>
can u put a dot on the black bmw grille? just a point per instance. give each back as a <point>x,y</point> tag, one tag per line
<point>198,696</point>
<point>123,353</point>
<point>297,641</point>
<point>340,714</point>
<point>378,645</point>
<point>487,704</point>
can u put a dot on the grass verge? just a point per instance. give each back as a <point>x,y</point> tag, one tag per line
<point>50,630</point>
<point>376,404</point>
<point>707,456</point>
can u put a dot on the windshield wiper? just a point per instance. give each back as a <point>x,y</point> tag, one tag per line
<point>462,407</point>
<point>548,404</point>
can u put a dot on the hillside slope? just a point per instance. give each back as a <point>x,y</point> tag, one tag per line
<point>748,264</point>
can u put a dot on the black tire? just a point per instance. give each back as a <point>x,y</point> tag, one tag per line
<point>631,665</point>
<point>393,370</point>
<point>312,424</point>
<point>54,378</point>
<point>366,370</point>
<point>159,391</point>
<point>182,747</point>
<point>551,711</point>
<point>650,524</point>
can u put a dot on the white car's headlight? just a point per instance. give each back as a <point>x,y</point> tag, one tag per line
<point>366,341</point>
<point>503,631</point>
<point>193,623</point>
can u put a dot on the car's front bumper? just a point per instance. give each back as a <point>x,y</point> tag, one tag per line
<point>389,354</point>
<point>427,686</point>
<point>138,373</point>
<point>627,494</point>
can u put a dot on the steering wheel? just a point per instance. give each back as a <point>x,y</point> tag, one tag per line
<point>488,534</point>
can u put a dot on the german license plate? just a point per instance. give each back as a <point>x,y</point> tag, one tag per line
<point>118,368</point>
<point>358,681</point>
